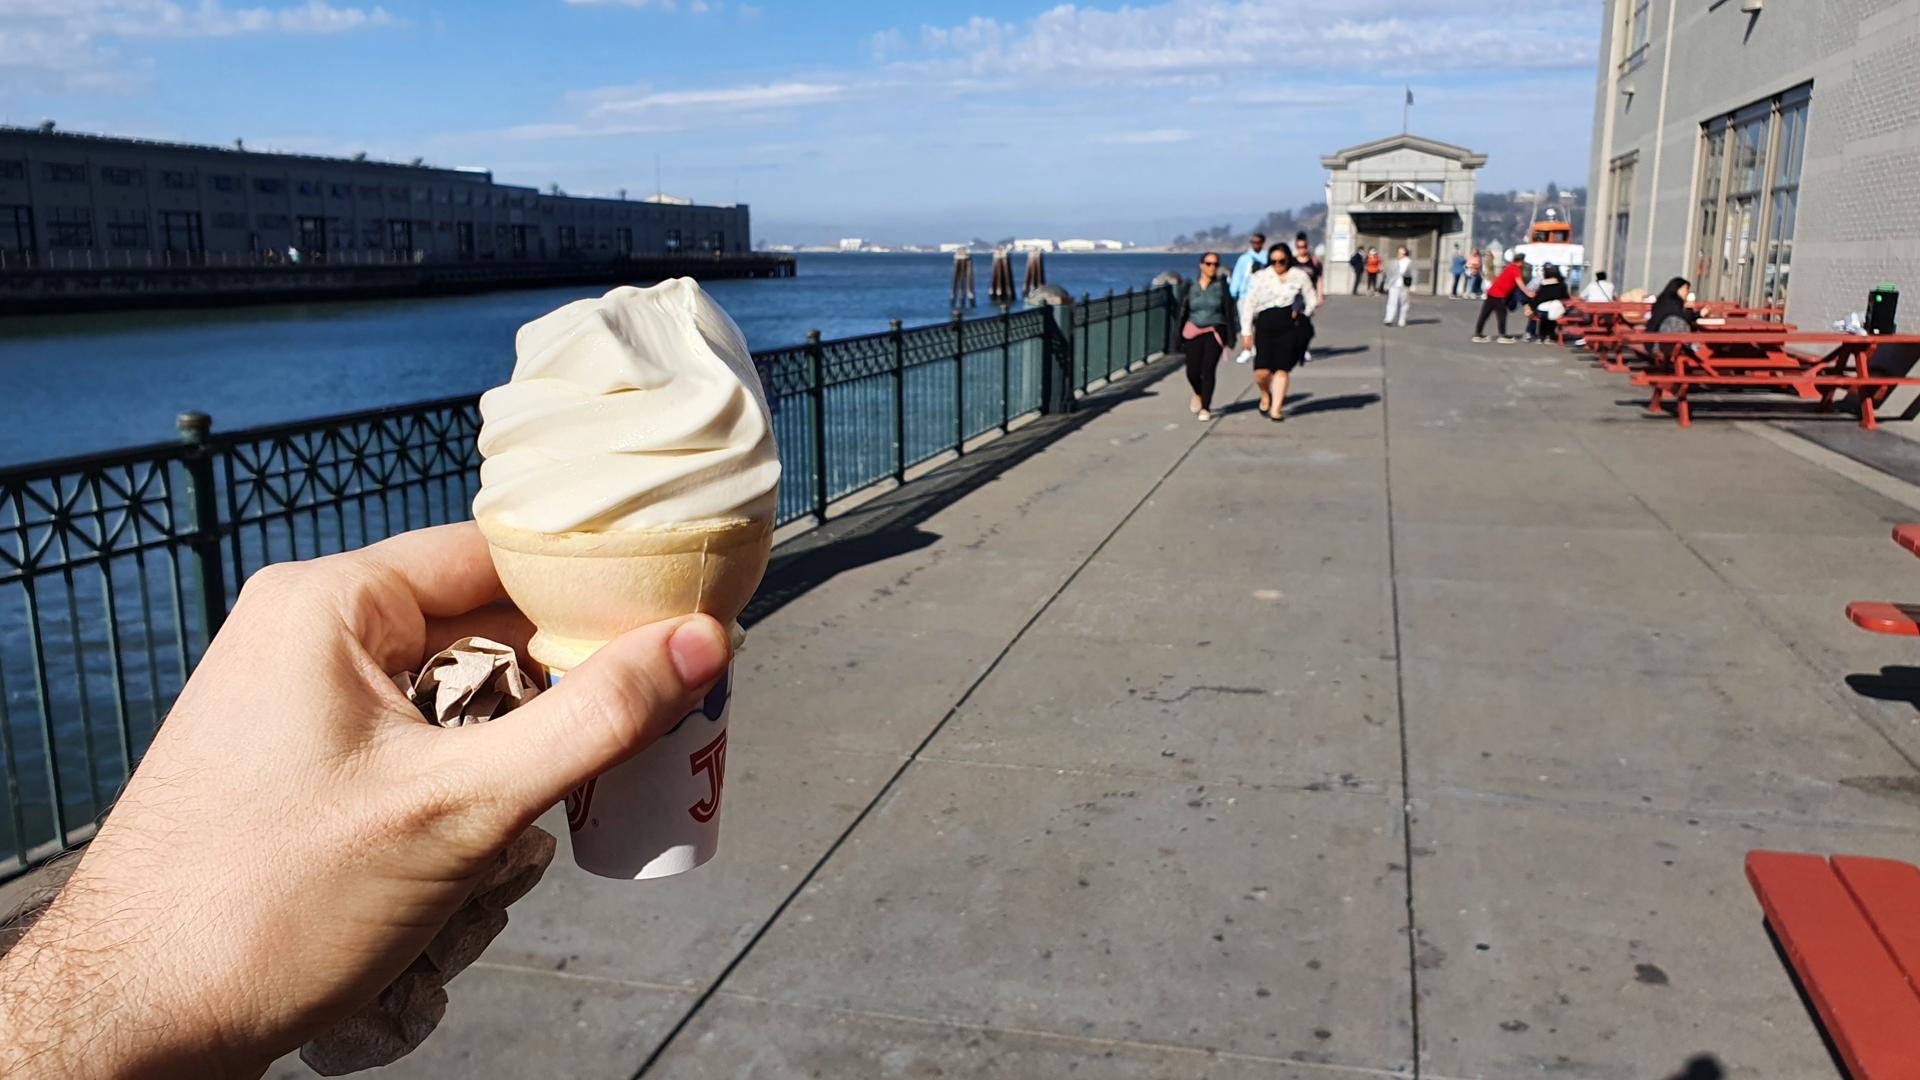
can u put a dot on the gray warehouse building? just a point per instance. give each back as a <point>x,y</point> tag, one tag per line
<point>84,200</point>
<point>1767,150</point>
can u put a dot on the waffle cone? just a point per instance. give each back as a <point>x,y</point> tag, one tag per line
<point>582,590</point>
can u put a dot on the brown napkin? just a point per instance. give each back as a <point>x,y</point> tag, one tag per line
<point>472,681</point>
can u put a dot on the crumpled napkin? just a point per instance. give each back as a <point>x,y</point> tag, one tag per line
<point>472,681</point>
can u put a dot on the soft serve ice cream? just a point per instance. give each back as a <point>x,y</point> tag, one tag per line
<point>631,476</point>
<point>635,411</point>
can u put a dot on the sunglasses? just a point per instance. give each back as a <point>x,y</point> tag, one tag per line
<point>1209,262</point>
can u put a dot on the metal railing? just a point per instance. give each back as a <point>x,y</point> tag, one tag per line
<point>117,568</point>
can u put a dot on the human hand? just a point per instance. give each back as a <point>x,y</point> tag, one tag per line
<point>296,834</point>
<point>1246,342</point>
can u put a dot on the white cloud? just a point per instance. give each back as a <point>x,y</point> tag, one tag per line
<point>1202,38</point>
<point>74,44</point>
<point>1152,137</point>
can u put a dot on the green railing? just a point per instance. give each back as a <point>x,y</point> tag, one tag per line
<point>117,568</point>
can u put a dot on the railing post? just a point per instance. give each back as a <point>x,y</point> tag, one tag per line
<point>899,401</point>
<point>203,510</point>
<point>959,385</point>
<point>1056,360</point>
<point>1006,368</point>
<point>1130,306</point>
<point>817,363</point>
<point>1109,372</point>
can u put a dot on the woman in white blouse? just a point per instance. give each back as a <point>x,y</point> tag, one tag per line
<point>1277,299</point>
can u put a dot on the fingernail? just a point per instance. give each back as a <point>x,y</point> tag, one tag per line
<point>699,650</point>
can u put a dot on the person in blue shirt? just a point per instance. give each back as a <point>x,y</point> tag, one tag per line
<point>1459,272</point>
<point>1252,259</point>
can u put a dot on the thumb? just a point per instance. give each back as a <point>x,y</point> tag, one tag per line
<point>605,711</point>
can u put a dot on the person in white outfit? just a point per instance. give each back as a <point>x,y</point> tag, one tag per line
<point>1399,287</point>
<point>1599,291</point>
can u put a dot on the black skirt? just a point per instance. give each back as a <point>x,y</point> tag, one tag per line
<point>1276,340</point>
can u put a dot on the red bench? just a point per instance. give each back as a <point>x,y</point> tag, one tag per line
<point>1884,617</point>
<point>1850,929</point>
<point>1766,359</point>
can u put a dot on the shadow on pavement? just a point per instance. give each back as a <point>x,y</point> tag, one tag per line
<point>1252,405</point>
<point>889,524</point>
<point>1895,683</point>
<point>1337,403</point>
<point>1339,350</point>
<point>1701,1067</point>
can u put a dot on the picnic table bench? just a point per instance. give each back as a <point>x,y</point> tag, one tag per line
<point>1849,929</point>
<point>1616,349</point>
<point>1744,358</point>
<point>1889,617</point>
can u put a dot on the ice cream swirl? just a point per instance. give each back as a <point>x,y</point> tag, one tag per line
<point>638,410</point>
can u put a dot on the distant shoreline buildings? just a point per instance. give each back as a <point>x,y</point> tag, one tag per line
<point>73,200</point>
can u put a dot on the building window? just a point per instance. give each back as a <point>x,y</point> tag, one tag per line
<point>175,179</point>
<point>1639,30</point>
<point>339,191</point>
<point>273,221</point>
<point>66,174</point>
<point>421,195</point>
<point>399,193</point>
<point>268,186</point>
<point>1620,216</point>
<point>1790,146</point>
<point>1749,196</point>
<point>224,183</point>
<point>369,191</point>
<point>567,240</point>
<point>119,176</point>
<point>673,239</point>
<point>16,229</point>
<point>70,227</point>
<point>127,228</point>
<point>310,188</point>
<point>12,170</point>
<point>227,219</point>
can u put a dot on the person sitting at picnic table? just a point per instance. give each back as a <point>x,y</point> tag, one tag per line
<point>1599,290</point>
<point>1548,305</point>
<point>1670,313</point>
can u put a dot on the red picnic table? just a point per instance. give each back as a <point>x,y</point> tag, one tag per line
<point>1597,322</point>
<point>1767,359</point>
<point>1617,349</point>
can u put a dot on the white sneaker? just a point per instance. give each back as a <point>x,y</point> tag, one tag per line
<point>1306,357</point>
<point>1245,355</point>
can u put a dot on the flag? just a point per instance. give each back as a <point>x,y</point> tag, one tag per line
<point>1409,95</point>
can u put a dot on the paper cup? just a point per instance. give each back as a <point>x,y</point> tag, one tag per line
<point>658,814</point>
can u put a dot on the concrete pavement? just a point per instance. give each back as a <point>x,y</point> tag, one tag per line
<point>1422,734</point>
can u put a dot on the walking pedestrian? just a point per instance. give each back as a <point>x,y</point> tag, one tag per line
<point>1250,261</point>
<point>1459,272</point>
<point>1270,325</point>
<point>1373,271</point>
<point>1304,258</point>
<point>1359,263</point>
<point>1399,288</point>
<point>1206,323</point>
<point>1473,274</point>
<point>1503,289</point>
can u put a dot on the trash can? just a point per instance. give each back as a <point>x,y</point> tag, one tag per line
<point>1883,303</point>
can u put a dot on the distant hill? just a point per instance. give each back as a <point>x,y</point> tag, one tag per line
<point>1498,216</point>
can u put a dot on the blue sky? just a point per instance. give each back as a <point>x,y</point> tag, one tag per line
<point>898,121</point>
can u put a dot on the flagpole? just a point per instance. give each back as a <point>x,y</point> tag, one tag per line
<point>1406,107</point>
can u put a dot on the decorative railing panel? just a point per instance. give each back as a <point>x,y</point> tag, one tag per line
<point>116,569</point>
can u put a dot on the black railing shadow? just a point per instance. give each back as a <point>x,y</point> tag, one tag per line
<point>889,524</point>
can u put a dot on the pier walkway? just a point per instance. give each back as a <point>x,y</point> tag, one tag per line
<point>1421,735</point>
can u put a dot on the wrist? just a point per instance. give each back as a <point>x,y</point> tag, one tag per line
<point>81,997</point>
